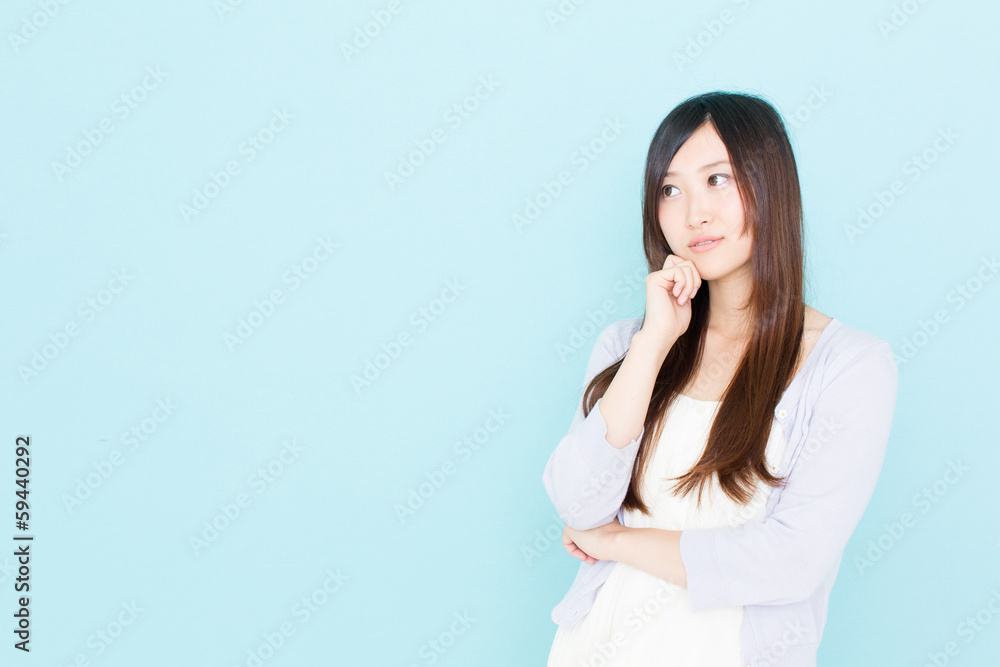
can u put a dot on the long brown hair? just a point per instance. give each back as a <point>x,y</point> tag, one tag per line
<point>768,185</point>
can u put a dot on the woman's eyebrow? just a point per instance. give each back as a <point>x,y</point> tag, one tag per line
<point>707,166</point>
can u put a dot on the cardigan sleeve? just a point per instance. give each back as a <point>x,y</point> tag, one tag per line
<point>786,557</point>
<point>586,477</point>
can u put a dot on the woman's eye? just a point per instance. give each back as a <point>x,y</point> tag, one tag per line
<point>665,190</point>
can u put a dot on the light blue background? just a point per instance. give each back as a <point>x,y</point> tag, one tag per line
<point>494,347</point>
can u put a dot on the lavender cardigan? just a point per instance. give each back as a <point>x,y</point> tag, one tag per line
<point>836,416</point>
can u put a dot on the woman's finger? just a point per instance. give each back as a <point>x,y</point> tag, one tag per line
<point>579,553</point>
<point>696,279</point>
<point>574,550</point>
<point>675,274</point>
<point>688,283</point>
<point>672,260</point>
<point>684,274</point>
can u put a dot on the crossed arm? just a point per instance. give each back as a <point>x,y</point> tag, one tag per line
<point>782,559</point>
<point>655,551</point>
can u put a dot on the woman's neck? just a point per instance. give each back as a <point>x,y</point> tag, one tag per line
<point>727,296</point>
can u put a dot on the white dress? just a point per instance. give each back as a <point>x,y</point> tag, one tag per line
<point>638,619</point>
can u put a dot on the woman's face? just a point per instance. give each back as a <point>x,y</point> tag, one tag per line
<point>699,198</point>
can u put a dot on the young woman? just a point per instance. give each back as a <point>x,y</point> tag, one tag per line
<point>728,442</point>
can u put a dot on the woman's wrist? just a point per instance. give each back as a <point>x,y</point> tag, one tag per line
<point>617,541</point>
<point>653,344</point>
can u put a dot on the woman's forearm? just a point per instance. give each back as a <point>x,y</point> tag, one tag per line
<point>626,401</point>
<point>655,551</point>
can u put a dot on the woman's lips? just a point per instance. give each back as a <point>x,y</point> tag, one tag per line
<point>704,247</point>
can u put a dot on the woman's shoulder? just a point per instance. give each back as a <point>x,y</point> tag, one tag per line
<point>618,334</point>
<point>815,321</point>
<point>614,340</point>
<point>836,343</point>
<point>839,344</point>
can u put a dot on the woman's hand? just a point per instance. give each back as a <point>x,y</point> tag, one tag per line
<point>668,298</point>
<point>591,545</point>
